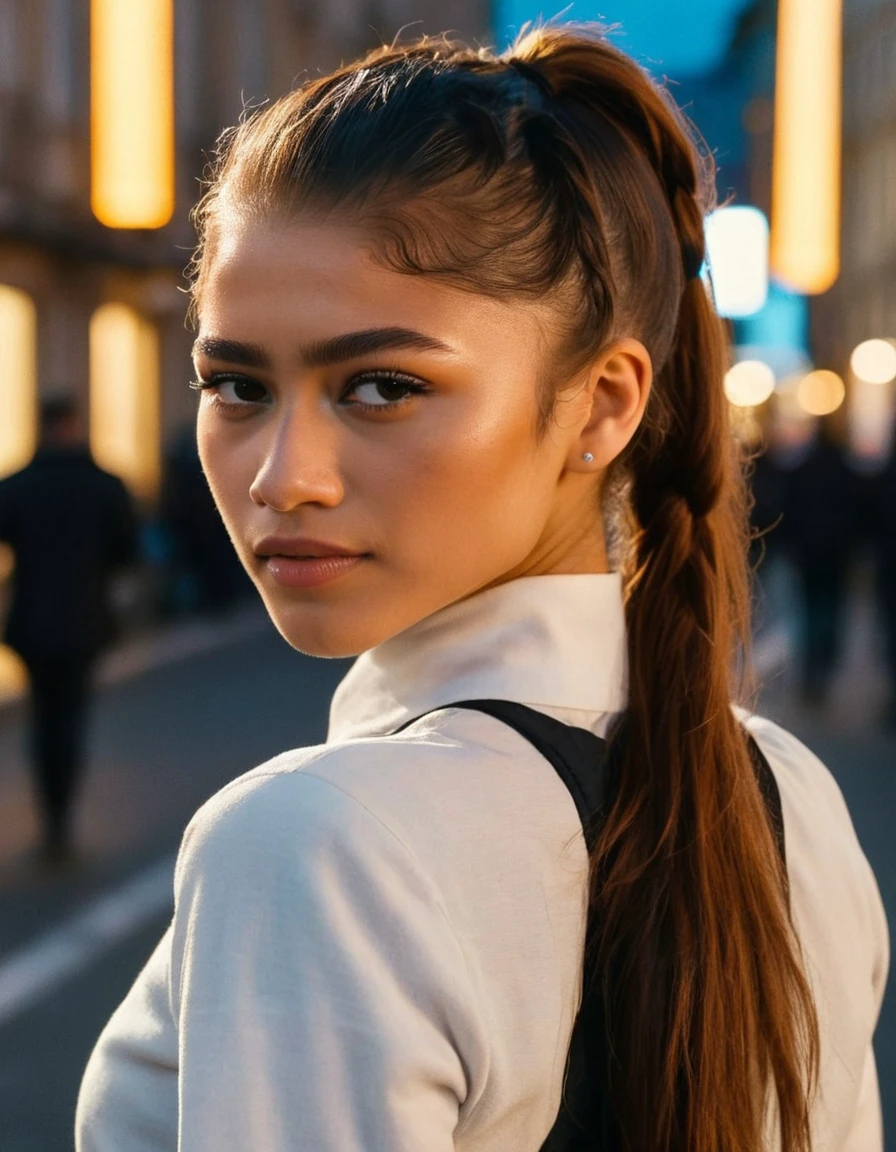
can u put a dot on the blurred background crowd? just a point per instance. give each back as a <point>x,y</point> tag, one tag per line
<point>109,111</point>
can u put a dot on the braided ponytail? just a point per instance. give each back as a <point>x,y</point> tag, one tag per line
<point>709,1011</point>
<point>687,878</point>
<point>559,171</point>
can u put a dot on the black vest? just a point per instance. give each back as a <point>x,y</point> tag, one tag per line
<point>585,1122</point>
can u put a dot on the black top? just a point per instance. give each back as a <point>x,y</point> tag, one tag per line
<point>69,524</point>
<point>585,1122</point>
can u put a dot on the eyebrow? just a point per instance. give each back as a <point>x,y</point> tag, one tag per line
<point>322,353</point>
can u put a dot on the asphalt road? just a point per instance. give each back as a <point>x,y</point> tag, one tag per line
<point>164,740</point>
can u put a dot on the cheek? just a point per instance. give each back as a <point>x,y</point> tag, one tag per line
<point>481,482</point>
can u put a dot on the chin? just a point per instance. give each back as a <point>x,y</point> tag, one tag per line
<point>327,631</point>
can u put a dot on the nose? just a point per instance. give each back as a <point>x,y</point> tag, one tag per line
<point>300,466</point>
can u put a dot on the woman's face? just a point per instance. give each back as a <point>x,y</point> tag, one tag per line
<point>386,414</point>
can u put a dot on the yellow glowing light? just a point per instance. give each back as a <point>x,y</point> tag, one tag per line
<point>18,371</point>
<point>870,417</point>
<point>874,361</point>
<point>821,393</point>
<point>124,397</point>
<point>805,240</point>
<point>13,674</point>
<point>749,383</point>
<point>132,112</point>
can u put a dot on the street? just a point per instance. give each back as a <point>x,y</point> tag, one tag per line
<point>164,739</point>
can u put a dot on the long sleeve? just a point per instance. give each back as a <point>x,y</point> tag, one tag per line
<point>866,1132</point>
<point>842,923</point>
<point>321,996</point>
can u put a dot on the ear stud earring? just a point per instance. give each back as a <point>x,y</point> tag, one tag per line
<point>588,457</point>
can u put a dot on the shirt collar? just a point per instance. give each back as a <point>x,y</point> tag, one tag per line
<point>555,640</point>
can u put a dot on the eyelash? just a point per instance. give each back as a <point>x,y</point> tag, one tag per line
<point>413,387</point>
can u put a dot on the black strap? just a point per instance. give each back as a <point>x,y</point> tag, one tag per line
<point>579,758</point>
<point>585,1122</point>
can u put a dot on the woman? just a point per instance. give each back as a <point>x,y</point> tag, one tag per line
<point>462,412</point>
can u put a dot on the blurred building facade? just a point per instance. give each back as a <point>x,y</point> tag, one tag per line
<point>77,298</point>
<point>862,304</point>
<point>732,107</point>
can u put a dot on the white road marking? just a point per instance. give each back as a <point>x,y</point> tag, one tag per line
<point>37,968</point>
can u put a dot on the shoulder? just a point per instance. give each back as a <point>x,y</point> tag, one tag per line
<point>406,802</point>
<point>831,878</point>
<point>815,811</point>
<point>107,481</point>
<point>9,484</point>
<point>803,779</point>
<point>301,808</point>
<point>290,854</point>
<point>284,792</point>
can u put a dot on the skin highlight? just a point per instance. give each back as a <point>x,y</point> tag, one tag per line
<point>450,491</point>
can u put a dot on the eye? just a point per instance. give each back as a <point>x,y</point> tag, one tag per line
<point>384,389</point>
<point>232,391</point>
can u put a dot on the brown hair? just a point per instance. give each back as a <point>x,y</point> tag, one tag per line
<point>561,170</point>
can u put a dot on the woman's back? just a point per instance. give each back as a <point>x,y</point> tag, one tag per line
<point>425,898</point>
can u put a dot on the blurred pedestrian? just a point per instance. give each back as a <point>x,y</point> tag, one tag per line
<point>766,485</point>
<point>882,532</point>
<point>821,529</point>
<point>70,525</point>
<point>202,556</point>
<point>533,890</point>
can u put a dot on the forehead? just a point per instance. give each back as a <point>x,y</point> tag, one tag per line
<point>313,278</point>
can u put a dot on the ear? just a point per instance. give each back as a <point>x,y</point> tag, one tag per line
<point>617,387</point>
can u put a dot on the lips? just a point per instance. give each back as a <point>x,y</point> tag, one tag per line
<point>301,547</point>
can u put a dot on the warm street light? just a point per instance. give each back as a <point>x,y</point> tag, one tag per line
<point>874,361</point>
<point>805,241</point>
<point>132,112</point>
<point>821,392</point>
<point>124,397</point>
<point>18,369</point>
<point>749,383</point>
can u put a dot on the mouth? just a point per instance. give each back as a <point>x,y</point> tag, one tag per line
<point>297,571</point>
<point>302,548</point>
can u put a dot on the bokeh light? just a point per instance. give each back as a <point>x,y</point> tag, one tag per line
<point>132,112</point>
<point>749,383</point>
<point>874,361</point>
<point>18,365</point>
<point>124,397</point>
<point>805,243</point>
<point>821,392</point>
<point>737,249</point>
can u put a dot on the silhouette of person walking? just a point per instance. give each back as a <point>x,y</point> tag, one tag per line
<point>882,531</point>
<point>821,527</point>
<point>70,525</point>
<point>202,548</point>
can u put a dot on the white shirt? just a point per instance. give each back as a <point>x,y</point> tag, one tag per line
<point>377,942</point>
